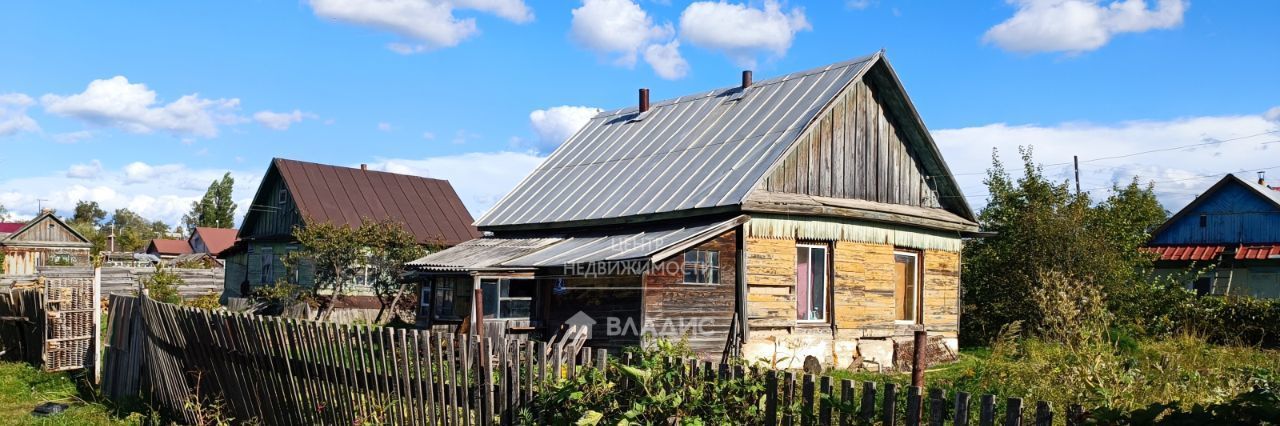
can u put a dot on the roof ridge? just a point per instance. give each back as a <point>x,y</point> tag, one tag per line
<point>355,168</point>
<point>766,82</point>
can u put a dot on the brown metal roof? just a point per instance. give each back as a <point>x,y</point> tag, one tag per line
<point>169,247</point>
<point>428,208</point>
<point>216,239</point>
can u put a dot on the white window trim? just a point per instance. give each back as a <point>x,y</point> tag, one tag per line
<point>826,250</point>
<point>915,289</point>
<point>497,316</point>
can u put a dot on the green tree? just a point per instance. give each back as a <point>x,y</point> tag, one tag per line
<point>1044,230</point>
<point>341,257</point>
<point>133,231</point>
<point>88,212</point>
<point>216,209</point>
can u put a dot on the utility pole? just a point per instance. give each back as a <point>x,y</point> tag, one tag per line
<point>40,204</point>
<point>1076,159</point>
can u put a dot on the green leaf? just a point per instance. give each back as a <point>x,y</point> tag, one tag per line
<point>590,418</point>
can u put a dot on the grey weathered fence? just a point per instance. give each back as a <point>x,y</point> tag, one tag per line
<point>22,324</point>
<point>288,371</point>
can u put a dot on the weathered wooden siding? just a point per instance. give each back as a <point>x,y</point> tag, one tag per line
<point>702,314</point>
<point>27,260</point>
<point>600,298</point>
<point>1233,215</point>
<point>268,217</point>
<point>862,311</point>
<point>48,230</point>
<point>771,282</point>
<point>855,149</point>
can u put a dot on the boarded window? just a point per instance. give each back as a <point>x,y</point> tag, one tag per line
<point>702,267</point>
<point>906,266</point>
<point>811,282</point>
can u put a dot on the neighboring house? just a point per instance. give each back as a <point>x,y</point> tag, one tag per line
<point>42,241</point>
<point>809,214</point>
<point>1233,227</point>
<point>211,240</point>
<point>168,249</point>
<point>296,193</point>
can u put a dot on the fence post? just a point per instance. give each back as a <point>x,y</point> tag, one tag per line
<point>890,415</point>
<point>937,407</point>
<point>846,402</point>
<point>97,325</point>
<point>824,404</point>
<point>868,412</point>
<point>1013,412</point>
<point>1044,414</point>
<point>770,397</point>
<point>962,409</point>
<point>913,406</point>
<point>987,415</point>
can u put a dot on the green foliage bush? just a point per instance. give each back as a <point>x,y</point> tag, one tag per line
<point>163,286</point>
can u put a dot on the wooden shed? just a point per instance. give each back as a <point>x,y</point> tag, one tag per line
<point>1232,231</point>
<point>42,241</point>
<point>805,215</point>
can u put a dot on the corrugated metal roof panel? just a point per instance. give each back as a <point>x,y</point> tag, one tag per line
<point>577,248</point>
<point>428,208</point>
<point>689,152</point>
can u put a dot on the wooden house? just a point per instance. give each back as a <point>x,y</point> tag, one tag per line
<point>42,241</point>
<point>1232,230</point>
<point>211,240</point>
<point>166,249</point>
<point>805,215</point>
<point>296,193</point>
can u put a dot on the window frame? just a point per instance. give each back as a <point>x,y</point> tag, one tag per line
<point>507,281</point>
<point>711,269</point>
<point>267,265</point>
<point>826,282</point>
<point>917,310</point>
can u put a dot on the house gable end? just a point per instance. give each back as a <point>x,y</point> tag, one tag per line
<point>268,216</point>
<point>868,144</point>
<point>1233,213</point>
<point>47,228</point>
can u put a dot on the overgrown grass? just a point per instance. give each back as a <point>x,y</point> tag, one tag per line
<point>1121,373</point>
<point>23,387</point>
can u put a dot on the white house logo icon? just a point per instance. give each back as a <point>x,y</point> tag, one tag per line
<point>582,322</point>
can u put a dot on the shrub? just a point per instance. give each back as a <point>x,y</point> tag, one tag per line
<point>208,302</point>
<point>163,286</point>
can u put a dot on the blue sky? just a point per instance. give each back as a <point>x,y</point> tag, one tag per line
<point>446,88</point>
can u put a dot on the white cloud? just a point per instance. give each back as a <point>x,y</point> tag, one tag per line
<point>480,178</point>
<point>428,24</point>
<point>666,60</point>
<point>623,29</point>
<point>1075,26</point>
<point>384,126</point>
<point>556,124</point>
<point>429,136</point>
<point>859,4</point>
<point>1180,174</point>
<point>138,172</point>
<point>280,120</point>
<point>1273,114</point>
<point>135,108</point>
<point>741,31</point>
<point>162,196</point>
<point>85,171</point>
<point>72,137</point>
<point>13,114</point>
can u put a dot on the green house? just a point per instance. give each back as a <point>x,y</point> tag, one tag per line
<point>295,193</point>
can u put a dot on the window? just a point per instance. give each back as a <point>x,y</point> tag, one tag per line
<point>507,298</point>
<point>811,282</point>
<point>1204,220</point>
<point>702,267</point>
<point>267,258</point>
<point>282,197</point>
<point>424,300</point>
<point>906,267</point>
<point>445,294</point>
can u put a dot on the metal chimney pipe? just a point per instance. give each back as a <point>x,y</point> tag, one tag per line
<point>1262,177</point>
<point>644,100</point>
<point>364,167</point>
<point>746,79</point>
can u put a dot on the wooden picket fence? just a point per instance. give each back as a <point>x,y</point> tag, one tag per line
<point>289,371</point>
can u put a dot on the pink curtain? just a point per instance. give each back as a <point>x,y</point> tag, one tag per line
<point>803,301</point>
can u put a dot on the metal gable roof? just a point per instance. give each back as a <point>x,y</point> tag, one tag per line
<point>700,151</point>
<point>1264,190</point>
<point>428,208</point>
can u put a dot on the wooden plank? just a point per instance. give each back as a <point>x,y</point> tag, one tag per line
<point>846,399</point>
<point>487,397</point>
<point>889,416</point>
<point>788,397</point>
<point>1044,414</point>
<point>464,378</point>
<point>914,403</point>
<point>528,372</point>
<point>806,404</point>
<point>824,406</point>
<point>422,361</point>
<point>961,409</point>
<point>937,407</point>
<point>770,398</point>
<point>1075,415</point>
<point>987,410</point>
<point>867,411</point>
<point>1013,412</point>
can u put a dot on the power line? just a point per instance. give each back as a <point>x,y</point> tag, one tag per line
<point>1152,182</point>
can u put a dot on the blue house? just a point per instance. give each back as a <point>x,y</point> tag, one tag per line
<point>1234,226</point>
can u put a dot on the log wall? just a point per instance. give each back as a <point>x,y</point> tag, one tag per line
<point>701,314</point>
